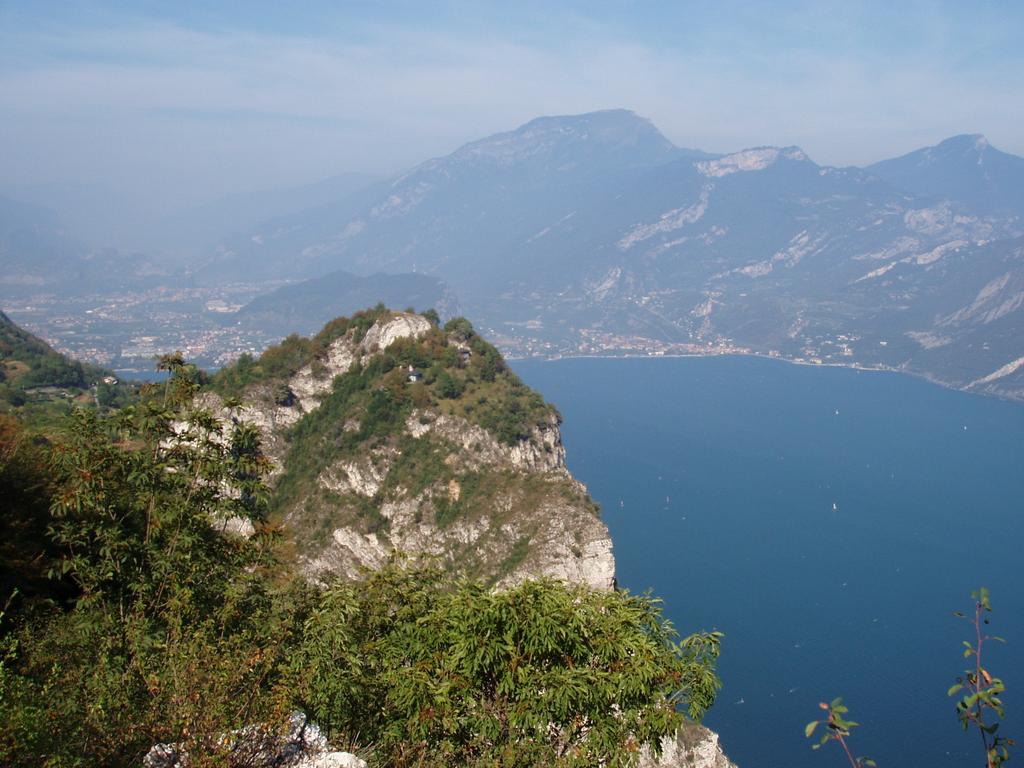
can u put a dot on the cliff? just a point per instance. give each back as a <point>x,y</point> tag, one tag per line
<point>399,435</point>
<point>694,746</point>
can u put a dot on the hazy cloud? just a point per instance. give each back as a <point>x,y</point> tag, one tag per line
<point>184,114</point>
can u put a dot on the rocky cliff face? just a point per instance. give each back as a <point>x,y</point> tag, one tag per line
<point>694,746</point>
<point>435,483</point>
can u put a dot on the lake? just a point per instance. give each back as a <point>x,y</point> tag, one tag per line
<point>828,520</point>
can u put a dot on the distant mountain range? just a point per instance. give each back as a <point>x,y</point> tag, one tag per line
<point>204,225</point>
<point>594,233</point>
<point>37,253</point>
<point>38,248</point>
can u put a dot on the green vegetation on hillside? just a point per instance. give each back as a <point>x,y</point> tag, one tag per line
<point>41,383</point>
<point>168,628</point>
<point>461,373</point>
<point>539,675</point>
<point>31,362</point>
<point>366,412</point>
<point>457,373</point>
<point>282,361</point>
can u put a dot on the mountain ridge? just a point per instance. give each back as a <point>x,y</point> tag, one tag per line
<point>560,249</point>
<point>965,168</point>
<point>594,234</point>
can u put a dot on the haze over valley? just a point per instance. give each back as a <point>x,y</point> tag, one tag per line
<point>588,234</point>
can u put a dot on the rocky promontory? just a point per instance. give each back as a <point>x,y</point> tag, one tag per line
<point>399,435</point>
<point>390,433</point>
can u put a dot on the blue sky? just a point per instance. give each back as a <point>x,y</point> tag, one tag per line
<point>181,101</point>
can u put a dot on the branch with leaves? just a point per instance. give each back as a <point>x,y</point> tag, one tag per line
<point>981,691</point>
<point>836,728</point>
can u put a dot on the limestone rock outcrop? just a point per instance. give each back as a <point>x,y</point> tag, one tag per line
<point>694,746</point>
<point>538,521</point>
<point>303,746</point>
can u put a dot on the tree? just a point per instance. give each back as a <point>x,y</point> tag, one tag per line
<point>27,489</point>
<point>982,697</point>
<point>176,634</point>
<point>447,386</point>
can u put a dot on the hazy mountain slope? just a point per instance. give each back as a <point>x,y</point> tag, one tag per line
<point>964,168</point>
<point>506,187</point>
<point>208,224</point>
<point>38,254</point>
<point>305,307</point>
<point>30,238</point>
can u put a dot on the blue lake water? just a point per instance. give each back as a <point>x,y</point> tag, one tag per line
<point>829,521</point>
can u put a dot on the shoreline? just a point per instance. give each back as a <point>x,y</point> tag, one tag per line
<point>779,358</point>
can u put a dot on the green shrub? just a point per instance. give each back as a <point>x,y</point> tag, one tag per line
<point>176,634</point>
<point>436,672</point>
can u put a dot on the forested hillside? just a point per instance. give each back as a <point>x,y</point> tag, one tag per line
<point>36,379</point>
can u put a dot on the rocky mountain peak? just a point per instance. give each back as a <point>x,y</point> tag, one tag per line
<point>755,159</point>
<point>617,133</point>
<point>609,126</point>
<point>401,435</point>
<point>964,142</point>
<point>964,168</point>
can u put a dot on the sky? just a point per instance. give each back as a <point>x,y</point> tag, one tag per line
<point>171,104</point>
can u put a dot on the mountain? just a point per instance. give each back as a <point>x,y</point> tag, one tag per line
<point>594,234</point>
<point>389,432</point>
<point>501,187</point>
<point>966,169</point>
<point>37,253</point>
<point>459,466</point>
<point>305,307</point>
<point>30,237</point>
<point>205,225</point>
<point>28,361</point>
<point>464,463</point>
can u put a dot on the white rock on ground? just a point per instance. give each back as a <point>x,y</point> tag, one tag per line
<point>305,746</point>
<point>693,746</point>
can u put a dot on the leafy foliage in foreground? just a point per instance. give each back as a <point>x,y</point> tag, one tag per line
<point>542,674</point>
<point>982,693</point>
<point>173,633</point>
<point>981,697</point>
<point>835,727</point>
<point>26,488</point>
<point>174,630</point>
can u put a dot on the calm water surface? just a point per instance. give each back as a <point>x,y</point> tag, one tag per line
<point>829,521</point>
